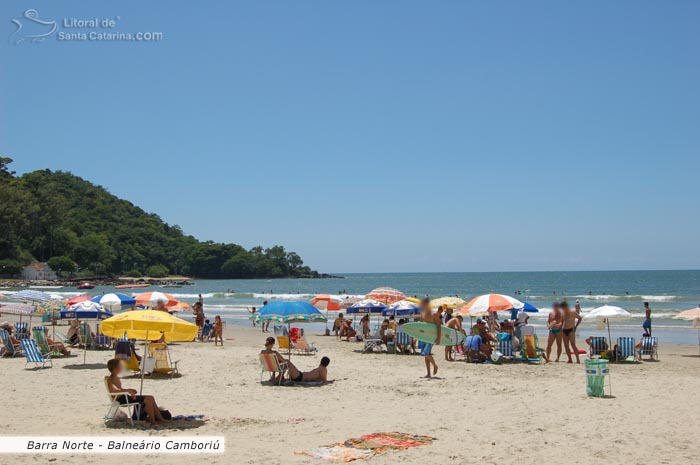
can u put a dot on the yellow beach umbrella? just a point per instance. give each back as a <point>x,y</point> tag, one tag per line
<point>448,302</point>
<point>149,325</point>
<point>413,300</point>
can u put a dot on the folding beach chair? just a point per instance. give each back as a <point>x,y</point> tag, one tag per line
<point>31,351</point>
<point>270,364</point>
<point>39,333</point>
<point>403,342</point>
<point>302,347</point>
<point>11,350</point>
<point>85,337</point>
<point>625,350</point>
<point>132,407</point>
<point>599,347</point>
<point>505,345</point>
<point>21,331</point>
<point>530,352</point>
<point>649,346</point>
<point>161,355</point>
<point>373,341</point>
<point>284,343</point>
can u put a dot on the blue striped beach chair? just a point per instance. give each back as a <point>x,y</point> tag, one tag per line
<point>11,350</point>
<point>505,345</point>
<point>21,331</point>
<point>403,342</point>
<point>599,347</point>
<point>31,351</point>
<point>625,350</point>
<point>649,346</point>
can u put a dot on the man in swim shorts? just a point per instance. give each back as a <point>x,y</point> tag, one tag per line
<point>427,316</point>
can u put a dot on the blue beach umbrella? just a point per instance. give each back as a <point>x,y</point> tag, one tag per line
<point>367,306</point>
<point>32,296</point>
<point>114,300</point>
<point>87,310</point>
<point>289,312</point>
<point>401,308</point>
<point>526,308</point>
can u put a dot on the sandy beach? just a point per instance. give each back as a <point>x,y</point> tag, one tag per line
<point>510,413</point>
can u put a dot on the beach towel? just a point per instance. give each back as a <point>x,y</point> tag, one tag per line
<point>366,446</point>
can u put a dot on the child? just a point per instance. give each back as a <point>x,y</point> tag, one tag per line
<point>218,330</point>
<point>207,330</point>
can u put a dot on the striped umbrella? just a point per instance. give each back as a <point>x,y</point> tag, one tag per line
<point>114,300</point>
<point>367,306</point>
<point>327,302</point>
<point>489,303</point>
<point>448,302</point>
<point>289,312</point>
<point>402,308</point>
<point>179,307</point>
<point>386,295</point>
<point>151,299</point>
<point>31,296</point>
<point>17,309</point>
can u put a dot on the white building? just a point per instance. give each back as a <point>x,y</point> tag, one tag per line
<point>38,271</point>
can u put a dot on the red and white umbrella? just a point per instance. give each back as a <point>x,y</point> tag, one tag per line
<point>349,301</point>
<point>327,302</point>
<point>386,295</point>
<point>77,299</point>
<point>151,299</point>
<point>179,307</point>
<point>489,303</point>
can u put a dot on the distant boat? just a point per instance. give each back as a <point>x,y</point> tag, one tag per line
<point>86,285</point>
<point>132,286</point>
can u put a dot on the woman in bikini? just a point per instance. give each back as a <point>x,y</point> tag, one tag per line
<point>571,322</point>
<point>554,324</point>
<point>218,330</point>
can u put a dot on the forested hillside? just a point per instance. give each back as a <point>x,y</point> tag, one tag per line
<point>77,226</point>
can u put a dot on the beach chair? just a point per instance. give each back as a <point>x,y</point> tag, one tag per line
<point>649,346</point>
<point>103,342</point>
<point>11,350</point>
<point>403,342</point>
<point>599,347</point>
<point>21,331</point>
<point>39,333</point>
<point>280,330</point>
<point>373,341</point>
<point>132,407</point>
<point>163,363</point>
<point>302,347</point>
<point>626,351</point>
<point>284,343</point>
<point>270,364</point>
<point>530,351</point>
<point>85,337</point>
<point>31,351</point>
<point>505,345</point>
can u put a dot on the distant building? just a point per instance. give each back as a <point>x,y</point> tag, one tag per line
<point>38,271</point>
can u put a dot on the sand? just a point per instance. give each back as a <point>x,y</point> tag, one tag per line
<point>511,413</point>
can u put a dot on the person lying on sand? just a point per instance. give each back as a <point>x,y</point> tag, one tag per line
<point>148,403</point>
<point>318,374</point>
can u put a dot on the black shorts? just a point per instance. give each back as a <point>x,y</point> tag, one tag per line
<point>125,399</point>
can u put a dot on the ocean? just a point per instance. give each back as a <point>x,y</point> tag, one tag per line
<point>667,292</point>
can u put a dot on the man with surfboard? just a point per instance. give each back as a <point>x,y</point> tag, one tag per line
<point>427,316</point>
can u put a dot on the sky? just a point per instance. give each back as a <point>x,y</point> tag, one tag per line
<point>378,135</point>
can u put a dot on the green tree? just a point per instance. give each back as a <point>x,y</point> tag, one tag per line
<point>157,271</point>
<point>62,264</point>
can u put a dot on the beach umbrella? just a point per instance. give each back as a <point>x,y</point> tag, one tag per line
<point>691,315</point>
<point>114,300</point>
<point>289,312</point>
<point>607,313</point>
<point>179,307</point>
<point>17,309</point>
<point>77,299</point>
<point>87,310</point>
<point>151,299</point>
<point>385,295</point>
<point>401,308</point>
<point>367,306</point>
<point>147,325</point>
<point>349,301</point>
<point>328,303</point>
<point>32,296</point>
<point>448,302</point>
<point>489,303</point>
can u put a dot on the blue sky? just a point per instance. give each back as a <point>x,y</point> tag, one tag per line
<point>381,135</point>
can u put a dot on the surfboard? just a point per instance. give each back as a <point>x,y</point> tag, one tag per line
<point>427,332</point>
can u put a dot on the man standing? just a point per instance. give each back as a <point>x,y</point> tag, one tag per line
<point>456,324</point>
<point>427,316</point>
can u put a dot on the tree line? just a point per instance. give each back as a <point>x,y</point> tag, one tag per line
<point>76,226</point>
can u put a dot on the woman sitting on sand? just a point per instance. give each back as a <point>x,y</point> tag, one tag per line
<point>347,331</point>
<point>148,403</point>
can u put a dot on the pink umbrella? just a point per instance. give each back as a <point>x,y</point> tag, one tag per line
<point>77,299</point>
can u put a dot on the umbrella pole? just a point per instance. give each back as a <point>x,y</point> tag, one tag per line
<point>143,363</point>
<point>289,331</point>
<point>609,337</point>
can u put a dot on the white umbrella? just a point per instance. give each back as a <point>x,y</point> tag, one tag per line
<point>607,313</point>
<point>691,315</point>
